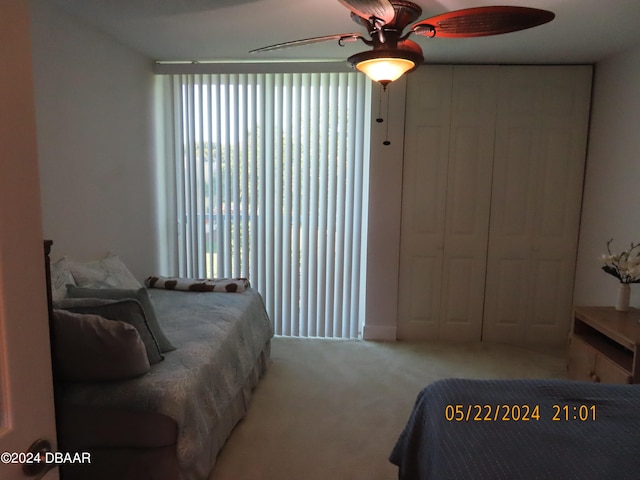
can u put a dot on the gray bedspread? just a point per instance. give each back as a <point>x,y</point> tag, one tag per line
<point>439,443</point>
<point>219,337</point>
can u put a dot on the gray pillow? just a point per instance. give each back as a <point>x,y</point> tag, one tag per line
<point>90,348</point>
<point>141,294</point>
<point>126,310</point>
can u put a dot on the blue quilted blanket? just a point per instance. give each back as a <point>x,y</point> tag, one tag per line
<point>521,429</point>
<point>219,337</point>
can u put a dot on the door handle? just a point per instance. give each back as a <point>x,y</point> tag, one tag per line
<point>39,466</point>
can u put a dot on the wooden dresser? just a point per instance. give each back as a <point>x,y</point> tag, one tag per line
<point>604,345</point>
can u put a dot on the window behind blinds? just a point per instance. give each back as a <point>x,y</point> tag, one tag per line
<point>268,180</point>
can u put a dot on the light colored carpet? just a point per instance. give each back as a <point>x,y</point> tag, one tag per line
<point>333,409</point>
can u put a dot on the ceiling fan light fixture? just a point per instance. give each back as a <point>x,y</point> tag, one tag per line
<point>385,70</point>
<point>385,66</point>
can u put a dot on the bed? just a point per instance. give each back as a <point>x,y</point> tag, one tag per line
<point>521,429</point>
<point>160,417</point>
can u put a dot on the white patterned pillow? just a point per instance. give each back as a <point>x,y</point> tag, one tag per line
<point>109,272</point>
<point>60,277</point>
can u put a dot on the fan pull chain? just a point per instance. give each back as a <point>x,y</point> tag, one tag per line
<point>380,119</point>
<point>386,141</point>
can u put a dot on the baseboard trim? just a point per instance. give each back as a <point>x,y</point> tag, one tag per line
<point>377,332</point>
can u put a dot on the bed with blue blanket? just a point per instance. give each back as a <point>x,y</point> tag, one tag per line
<point>151,381</point>
<point>521,429</point>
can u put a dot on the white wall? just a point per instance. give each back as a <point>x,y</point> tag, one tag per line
<point>611,206</point>
<point>94,119</point>
<point>385,210</point>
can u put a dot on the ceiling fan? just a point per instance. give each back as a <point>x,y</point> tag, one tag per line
<point>393,54</point>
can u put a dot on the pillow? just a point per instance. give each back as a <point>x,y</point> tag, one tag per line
<point>89,347</point>
<point>141,295</point>
<point>109,272</point>
<point>60,278</point>
<point>126,310</point>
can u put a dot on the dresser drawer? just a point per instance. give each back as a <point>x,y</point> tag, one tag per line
<point>587,364</point>
<point>610,372</point>
<point>582,360</point>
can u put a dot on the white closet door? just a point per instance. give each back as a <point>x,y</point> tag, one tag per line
<point>537,187</point>
<point>428,113</point>
<point>473,112</point>
<point>446,199</point>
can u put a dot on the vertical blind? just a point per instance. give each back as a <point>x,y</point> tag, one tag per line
<point>270,177</point>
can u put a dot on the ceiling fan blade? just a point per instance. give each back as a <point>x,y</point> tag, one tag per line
<point>366,9</point>
<point>341,37</point>
<point>482,21</point>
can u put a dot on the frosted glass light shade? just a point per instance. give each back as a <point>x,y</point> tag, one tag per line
<point>385,70</point>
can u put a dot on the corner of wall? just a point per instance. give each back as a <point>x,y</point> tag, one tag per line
<point>381,333</point>
<point>385,208</point>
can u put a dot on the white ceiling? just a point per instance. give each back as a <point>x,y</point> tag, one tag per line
<point>584,31</point>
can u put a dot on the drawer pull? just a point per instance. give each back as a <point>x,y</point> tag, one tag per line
<point>595,378</point>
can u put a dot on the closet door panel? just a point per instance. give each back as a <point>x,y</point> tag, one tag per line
<point>446,199</point>
<point>427,128</point>
<point>559,179</point>
<point>540,154</point>
<point>512,208</point>
<point>424,288</point>
<point>555,234</point>
<point>565,111</point>
<point>461,312</point>
<point>506,301</point>
<point>425,180</point>
<point>546,296</point>
<point>468,202</point>
<point>507,294</point>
